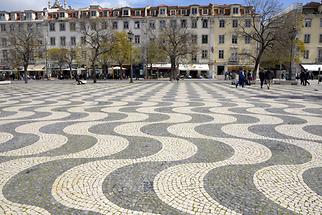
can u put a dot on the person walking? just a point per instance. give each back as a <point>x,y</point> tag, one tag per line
<point>241,79</point>
<point>306,78</point>
<point>262,77</point>
<point>268,77</point>
<point>302,77</point>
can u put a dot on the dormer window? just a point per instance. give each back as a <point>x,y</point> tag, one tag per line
<point>126,12</point>
<point>115,13</point>
<point>28,15</point>
<point>247,11</point>
<point>172,12</point>
<point>235,10</point>
<point>137,13</point>
<point>184,12</point>
<point>205,11</point>
<point>162,11</point>
<point>154,13</point>
<point>221,11</point>
<point>62,15</point>
<point>194,11</point>
<point>93,13</point>
<point>105,13</point>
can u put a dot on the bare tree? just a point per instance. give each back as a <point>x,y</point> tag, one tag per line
<point>153,55</point>
<point>58,55</point>
<point>176,44</point>
<point>98,40</point>
<point>70,58</point>
<point>25,41</point>
<point>264,27</point>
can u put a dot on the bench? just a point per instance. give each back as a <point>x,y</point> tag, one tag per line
<point>5,82</point>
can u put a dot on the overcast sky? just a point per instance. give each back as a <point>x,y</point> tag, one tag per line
<point>10,5</point>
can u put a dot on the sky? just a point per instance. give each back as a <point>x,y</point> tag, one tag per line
<point>11,5</point>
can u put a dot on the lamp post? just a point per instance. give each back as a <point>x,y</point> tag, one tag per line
<point>130,36</point>
<point>293,36</point>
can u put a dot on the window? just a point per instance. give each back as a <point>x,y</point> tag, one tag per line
<point>93,26</point>
<point>235,23</point>
<point>62,41</point>
<point>172,12</point>
<point>173,23</point>
<point>137,39</point>
<point>307,38</point>
<point>162,24</point>
<point>320,38</point>
<point>194,58</point>
<point>93,13</point>
<point>205,11</point>
<point>51,26</point>
<point>320,55</point>
<point>204,39</point>
<point>183,23</point>
<point>4,42</point>
<point>205,23</point>
<point>194,11</point>
<point>204,54</point>
<point>82,26</point>
<point>162,11</point>
<point>73,41</point>
<point>62,27</point>
<point>72,26</point>
<point>52,41</point>
<point>137,24</point>
<point>194,23</point>
<point>115,25</point>
<point>5,55</point>
<point>306,54</point>
<point>116,13</point>
<point>62,15</point>
<point>152,24</point>
<point>248,23</point>
<point>221,23</point>
<point>234,39</point>
<point>194,39</point>
<point>248,39</point>
<point>320,22</point>
<point>104,25</point>
<point>126,25</point>
<point>221,39</point>
<point>83,40</point>
<point>308,23</point>
<point>137,13</point>
<point>12,27</point>
<point>234,56</point>
<point>154,13</point>
<point>235,10</point>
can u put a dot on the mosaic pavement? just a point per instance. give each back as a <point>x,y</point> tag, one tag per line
<point>160,148</point>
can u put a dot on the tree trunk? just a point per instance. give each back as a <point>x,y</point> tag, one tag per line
<point>173,68</point>
<point>25,68</point>
<point>94,73</point>
<point>257,62</point>
<point>70,71</point>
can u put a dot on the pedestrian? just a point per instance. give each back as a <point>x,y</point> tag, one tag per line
<point>249,78</point>
<point>302,77</point>
<point>241,78</point>
<point>262,77</point>
<point>306,77</point>
<point>268,77</point>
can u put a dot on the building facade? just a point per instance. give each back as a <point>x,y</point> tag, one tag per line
<point>214,29</point>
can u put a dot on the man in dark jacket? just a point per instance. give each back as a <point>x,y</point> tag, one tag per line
<point>262,77</point>
<point>269,78</point>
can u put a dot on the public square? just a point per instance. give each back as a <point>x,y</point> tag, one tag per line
<point>160,147</point>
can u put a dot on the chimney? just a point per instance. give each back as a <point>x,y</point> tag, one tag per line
<point>49,4</point>
<point>65,4</point>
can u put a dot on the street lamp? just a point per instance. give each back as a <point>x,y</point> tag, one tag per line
<point>130,36</point>
<point>293,36</point>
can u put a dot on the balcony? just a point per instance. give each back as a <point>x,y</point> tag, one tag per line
<point>318,60</point>
<point>233,60</point>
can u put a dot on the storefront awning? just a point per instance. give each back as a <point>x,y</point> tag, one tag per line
<point>36,68</point>
<point>312,67</point>
<point>199,67</point>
